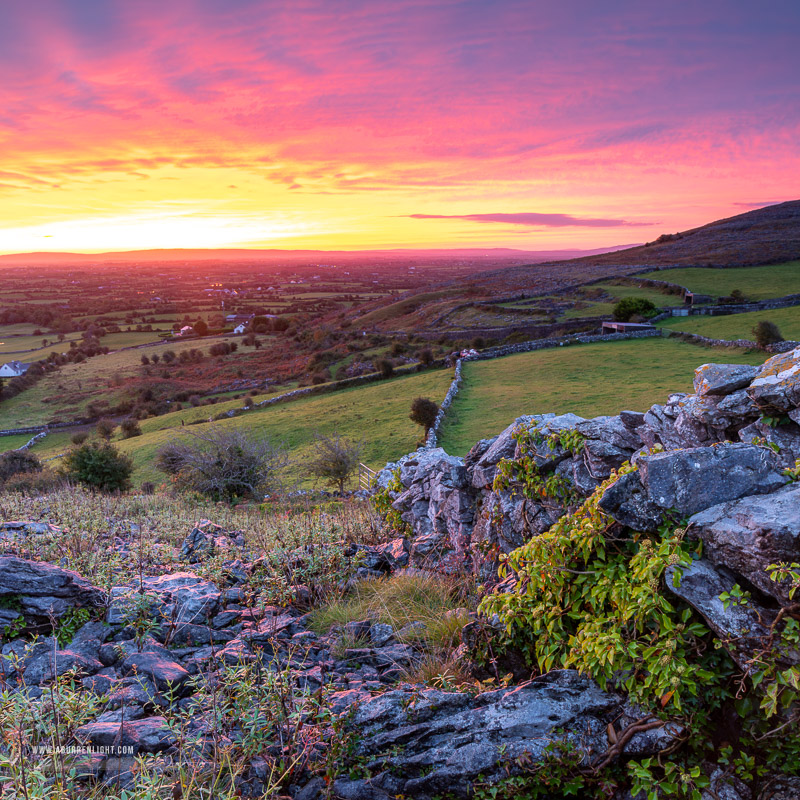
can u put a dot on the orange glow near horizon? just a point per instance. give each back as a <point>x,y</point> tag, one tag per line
<point>246,123</point>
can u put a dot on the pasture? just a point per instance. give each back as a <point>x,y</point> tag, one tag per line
<point>587,379</point>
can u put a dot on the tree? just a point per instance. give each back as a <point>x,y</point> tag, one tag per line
<point>425,357</point>
<point>634,306</point>
<point>200,327</point>
<point>335,459</point>
<point>424,412</point>
<point>766,332</point>
<point>130,428</point>
<point>99,465</point>
<point>105,428</point>
<point>385,367</point>
<point>225,464</point>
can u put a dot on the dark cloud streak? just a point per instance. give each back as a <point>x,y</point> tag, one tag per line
<point>537,220</point>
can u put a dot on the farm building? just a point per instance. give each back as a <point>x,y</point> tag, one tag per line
<point>13,369</point>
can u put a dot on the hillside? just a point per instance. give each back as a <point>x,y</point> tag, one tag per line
<point>764,236</point>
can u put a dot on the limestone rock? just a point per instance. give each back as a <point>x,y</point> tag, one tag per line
<point>776,387</point>
<point>42,590</point>
<point>722,379</point>
<point>749,534</point>
<point>436,742</point>
<point>688,481</point>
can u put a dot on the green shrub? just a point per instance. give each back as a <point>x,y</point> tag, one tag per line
<point>630,307</point>
<point>766,333</point>
<point>129,428</point>
<point>424,412</point>
<point>335,459</point>
<point>100,466</point>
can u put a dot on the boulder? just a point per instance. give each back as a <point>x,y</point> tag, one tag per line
<point>166,674</point>
<point>689,481</point>
<point>776,387</point>
<point>749,534</point>
<point>744,628</point>
<point>178,597</point>
<point>40,591</point>
<point>722,379</point>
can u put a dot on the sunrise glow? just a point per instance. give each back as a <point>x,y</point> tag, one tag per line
<point>354,125</point>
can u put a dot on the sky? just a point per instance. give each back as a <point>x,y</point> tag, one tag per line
<point>355,124</point>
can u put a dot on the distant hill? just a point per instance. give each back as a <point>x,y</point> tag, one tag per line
<point>767,235</point>
<point>489,254</point>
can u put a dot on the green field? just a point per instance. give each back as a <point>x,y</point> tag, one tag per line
<point>13,442</point>
<point>376,414</point>
<point>756,283</point>
<point>589,380</point>
<point>738,326</point>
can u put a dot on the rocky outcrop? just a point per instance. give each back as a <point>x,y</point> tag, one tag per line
<point>429,743</point>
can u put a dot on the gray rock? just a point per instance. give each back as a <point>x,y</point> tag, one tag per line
<point>722,379</point>
<point>392,555</point>
<point>42,590</point>
<point>46,661</point>
<point>776,387</point>
<point>166,674</point>
<point>688,481</point>
<point>743,628</point>
<point>149,735</point>
<point>440,742</point>
<point>179,597</point>
<point>749,534</point>
<point>784,439</point>
<point>380,634</point>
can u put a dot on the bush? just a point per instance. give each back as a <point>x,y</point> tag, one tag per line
<point>130,428</point>
<point>100,466</point>
<point>335,459</point>
<point>43,481</point>
<point>632,306</point>
<point>425,357</point>
<point>424,412</point>
<point>225,464</point>
<point>766,332</point>
<point>79,438</point>
<point>15,462</point>
<point>385,367</point>
<point>105,428</point>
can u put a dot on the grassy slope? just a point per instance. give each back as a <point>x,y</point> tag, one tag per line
<point>589,380</point>
<point>757,283</point>
<point>738,326</point>
<point>376,413</point>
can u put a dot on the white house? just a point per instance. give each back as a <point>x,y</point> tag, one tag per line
<point>185,330</point>
<point>13,369</point>
<point>240,328</point>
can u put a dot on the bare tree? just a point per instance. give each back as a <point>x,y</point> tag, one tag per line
<point>225,464</point>
<point>335,459</point>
